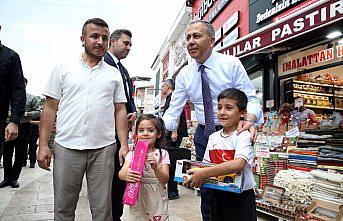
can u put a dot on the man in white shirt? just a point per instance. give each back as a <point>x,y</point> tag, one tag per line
<point>222,72</point>
<point>90,99</point>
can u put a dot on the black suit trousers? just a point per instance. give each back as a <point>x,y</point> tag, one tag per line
<point>33,137</point>
<point>12,172</point>
<point>118,187</point>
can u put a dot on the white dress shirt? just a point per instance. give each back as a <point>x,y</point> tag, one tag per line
<point>116,60</point>
<point>223,71</point>
<point>85,117</point>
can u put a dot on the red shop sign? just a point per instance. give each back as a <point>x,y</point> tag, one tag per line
<point>316,17</point>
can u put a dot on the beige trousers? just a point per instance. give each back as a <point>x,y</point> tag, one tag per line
<point>69,169</point>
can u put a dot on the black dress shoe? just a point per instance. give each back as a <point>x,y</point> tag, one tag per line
<point>4,183</point>
<point>14,184</point>
<point>173,196</point>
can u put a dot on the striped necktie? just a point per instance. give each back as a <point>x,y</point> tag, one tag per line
<point>207,101</point>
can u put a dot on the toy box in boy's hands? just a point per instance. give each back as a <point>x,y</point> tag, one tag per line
<point>230,182</point>
<point>137,164</point>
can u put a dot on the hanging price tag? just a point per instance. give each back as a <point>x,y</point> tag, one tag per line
<point>269,103</point>
<point>299,102</point>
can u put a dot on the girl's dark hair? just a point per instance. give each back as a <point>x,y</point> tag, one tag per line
<point>159,125</point>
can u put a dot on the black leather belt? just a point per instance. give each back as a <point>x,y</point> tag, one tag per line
<point>217,127</point>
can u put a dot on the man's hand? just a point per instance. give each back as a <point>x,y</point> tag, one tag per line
<point>44,157</point>
<point>122,154</point>
<point>247,125</point>
<point>197,178</point>
<point>131,117</point>
<point>11,131</point>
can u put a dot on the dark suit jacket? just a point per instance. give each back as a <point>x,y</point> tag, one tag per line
<point>182,129</point>
<point>130,105</point>
<point>12,85</point>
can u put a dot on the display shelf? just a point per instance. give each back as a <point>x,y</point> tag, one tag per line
<point>339,108</point>
<point>312,93</point>
<point>313,83</point>
<point>280,218</point>
<point>290,92</point>
<point>318,107</point>
<point>338,96</point>
<point>336,86</point>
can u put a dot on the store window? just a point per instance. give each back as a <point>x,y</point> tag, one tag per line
<point>257,80</point>
<point>315,74</point>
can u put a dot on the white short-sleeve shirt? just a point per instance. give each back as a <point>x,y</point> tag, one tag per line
<point>85,117</point>
<point>222,148</point>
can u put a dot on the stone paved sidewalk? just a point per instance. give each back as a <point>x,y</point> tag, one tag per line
<point>34,200</point>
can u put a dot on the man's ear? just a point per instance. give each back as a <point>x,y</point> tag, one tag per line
<point>212,42</point>
<point>82,38</point>
<point>243,114</point>
<point>113,42</point>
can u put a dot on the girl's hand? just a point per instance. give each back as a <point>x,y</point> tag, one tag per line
<point>132,176</point>
<point>152,160</point>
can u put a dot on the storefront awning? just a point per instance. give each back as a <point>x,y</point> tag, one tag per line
<point>313,17</point>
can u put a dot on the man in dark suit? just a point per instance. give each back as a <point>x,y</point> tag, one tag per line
<point>119,48</point>
<point>12,92</point>
<point>174,139</point>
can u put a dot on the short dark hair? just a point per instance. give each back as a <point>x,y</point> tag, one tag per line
<point>117,33</point>
<point>96,21</point>
<point>170,83</point>
<point>237,95</point>
<point>208,25</point>
<point>159,125</point>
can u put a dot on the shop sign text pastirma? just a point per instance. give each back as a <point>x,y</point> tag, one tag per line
<point>310,20</point>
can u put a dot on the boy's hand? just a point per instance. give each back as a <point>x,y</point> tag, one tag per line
<point>152,160</point>
<point>132,176</point>
<point>197,178</point>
